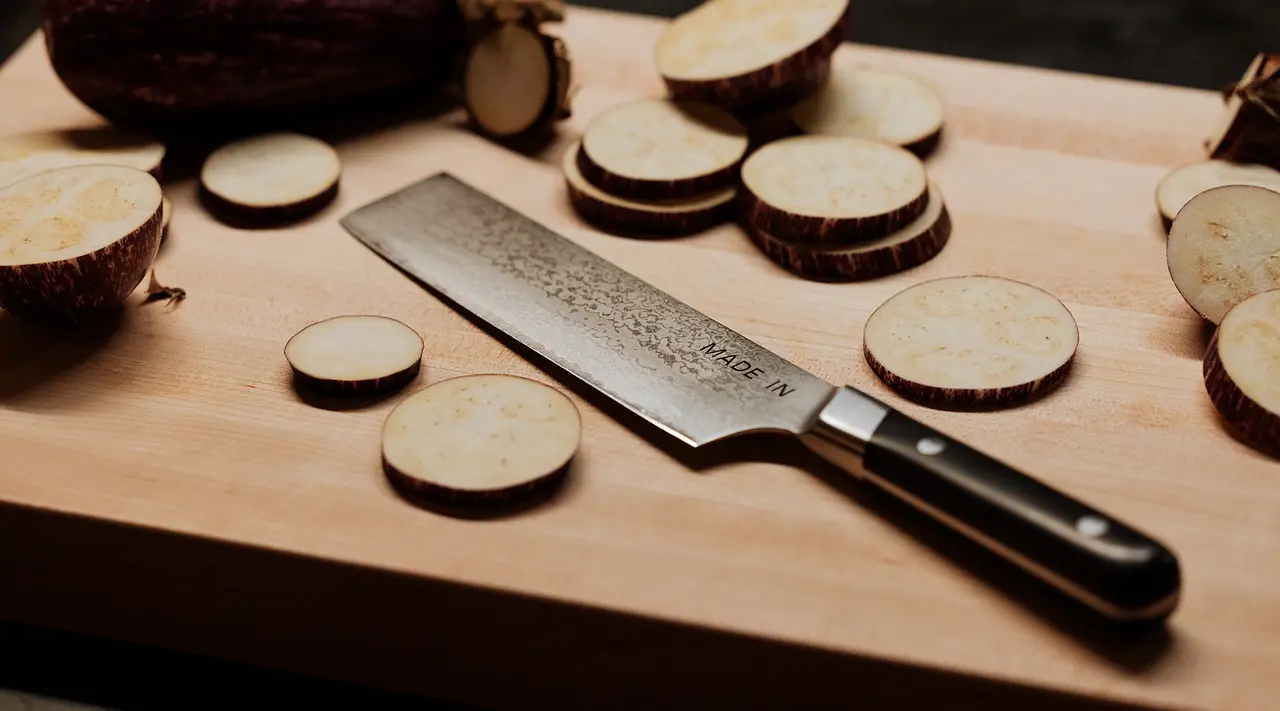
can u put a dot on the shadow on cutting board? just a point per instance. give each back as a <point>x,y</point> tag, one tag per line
<point>1200,333</point>
<point>463,644</point>
<point>32,356</point>
<point>1256,448</point>
<point>1134,648</point>
<point>335,126</point>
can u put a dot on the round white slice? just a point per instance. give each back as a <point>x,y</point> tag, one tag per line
<point>1242,369</point>
<point>656,148</point>
<point>833,189</point>
<point>25,154</point>
<point>1224,246</point>
<point>480,439</point>
<point>1181,184</point>
<point>75,242</point>
<point>874,104</point>
<point>274,174</point>
<point>670,217</point>
<point>510,81</point>
<point>971,341</point>
<point>355,355</point>
<point>721,39</point>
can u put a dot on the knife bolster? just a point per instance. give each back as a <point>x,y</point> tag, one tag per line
<point>842,430</point>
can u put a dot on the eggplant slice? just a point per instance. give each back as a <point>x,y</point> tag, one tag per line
<point>480,440</point>
<point>1224,247</point>
<point>1242,370</point>
<point>658,149</point>
<point>909,247</point>
<point>971,342</point>
<point>355,355</point>
<point>25,154</point>
<point>517,81</point>
<point>271,177</point>
<point>875,104</point>
<point>832,189</point>
<point>1181,184</point>
<point>739,53</point>
<point>644,218</point>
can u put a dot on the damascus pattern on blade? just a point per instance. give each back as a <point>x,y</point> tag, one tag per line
<point>659,357</point>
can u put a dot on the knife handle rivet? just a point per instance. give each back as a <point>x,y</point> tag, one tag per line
<point>930,446</point>
<point>1091,526</point>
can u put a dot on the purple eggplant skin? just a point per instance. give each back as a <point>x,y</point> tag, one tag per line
<point>170,65</point>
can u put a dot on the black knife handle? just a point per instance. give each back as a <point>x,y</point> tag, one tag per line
<point>1095,558</point>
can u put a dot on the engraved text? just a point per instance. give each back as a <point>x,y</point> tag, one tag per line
<point>738,364</point>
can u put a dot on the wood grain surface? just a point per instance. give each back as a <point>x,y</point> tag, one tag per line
<point>165,483</point>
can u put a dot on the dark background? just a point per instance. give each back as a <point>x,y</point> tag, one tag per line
<point>1198,43</point>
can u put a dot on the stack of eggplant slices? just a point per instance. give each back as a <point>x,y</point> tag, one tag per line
<point>822,165</point>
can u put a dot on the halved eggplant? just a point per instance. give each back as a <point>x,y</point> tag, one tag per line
<point>75,242</point>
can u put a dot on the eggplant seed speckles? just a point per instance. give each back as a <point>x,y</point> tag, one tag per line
<point>943,361</point>
<point>103,201</point>
<point>12,209</point>
<point>55,233</point>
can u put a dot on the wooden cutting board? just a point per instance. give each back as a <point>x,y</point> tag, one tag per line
<point>165,483</point>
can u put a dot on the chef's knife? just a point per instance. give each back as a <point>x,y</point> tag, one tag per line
<point>701,382</point>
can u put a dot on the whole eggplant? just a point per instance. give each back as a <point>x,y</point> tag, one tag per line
<point>169,65</point>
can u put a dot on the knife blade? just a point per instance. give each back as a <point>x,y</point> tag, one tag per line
<point>700,381</point>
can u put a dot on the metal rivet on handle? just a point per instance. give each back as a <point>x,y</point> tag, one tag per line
<point>1092,526</point>
<point>930,446</point>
